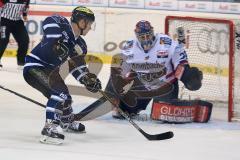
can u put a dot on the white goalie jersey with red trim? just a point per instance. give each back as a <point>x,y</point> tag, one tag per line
<point>156,66</point>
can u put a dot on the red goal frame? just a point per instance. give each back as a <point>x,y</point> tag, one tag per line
<point>231,53</point>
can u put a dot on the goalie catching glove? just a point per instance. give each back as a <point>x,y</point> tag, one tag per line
<point>91,82</point>
<point>191,77</point>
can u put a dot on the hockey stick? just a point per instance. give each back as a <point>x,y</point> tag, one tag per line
<point>161,136</point>
<point>22,96</point>
<point>77,117</point>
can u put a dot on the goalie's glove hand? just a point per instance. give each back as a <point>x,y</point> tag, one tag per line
<point>60,48</point>
<point>91,82</point>
<point>192,78</point>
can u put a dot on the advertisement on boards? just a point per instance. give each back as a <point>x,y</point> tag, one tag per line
<point>126,3</point>
<point>109,35</point>
<point>226,7</point>
<point>95,38</point>
<point>58,2</point>
<point>97,3</point>
<point>161,4</point>
<point>196,6</point>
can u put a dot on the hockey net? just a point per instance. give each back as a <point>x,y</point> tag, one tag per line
<point>212,46</point>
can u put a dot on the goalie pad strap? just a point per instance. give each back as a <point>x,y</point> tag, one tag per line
<point>182,111</point>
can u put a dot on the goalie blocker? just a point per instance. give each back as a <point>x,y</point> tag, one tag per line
<point>182,111</point>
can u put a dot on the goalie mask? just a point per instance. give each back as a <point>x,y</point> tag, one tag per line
<point>145,35</point>
<point>83,13</point>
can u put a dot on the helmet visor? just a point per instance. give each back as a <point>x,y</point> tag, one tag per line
<point>146,40</point>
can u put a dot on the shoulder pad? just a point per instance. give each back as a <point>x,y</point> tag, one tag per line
<point>164,39</point>
<point>59,19</point>
<point>128,44</point>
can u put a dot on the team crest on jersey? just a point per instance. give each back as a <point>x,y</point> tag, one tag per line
<point>162,54</point>
<point>128,45</point>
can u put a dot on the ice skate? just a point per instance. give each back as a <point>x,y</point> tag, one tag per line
<point>116,114</point>
<point>75,127</point>
<point>52,133</point>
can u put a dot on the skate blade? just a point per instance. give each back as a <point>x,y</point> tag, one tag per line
<point>50,140</point>
<point>73,131</point>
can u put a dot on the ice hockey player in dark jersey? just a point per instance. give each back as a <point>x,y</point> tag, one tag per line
<point>61,42</point>
<point>151,66</point>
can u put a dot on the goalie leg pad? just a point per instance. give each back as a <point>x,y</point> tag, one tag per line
<point>179,111</point>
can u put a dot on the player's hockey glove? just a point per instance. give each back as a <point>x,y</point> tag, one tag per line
<point>192,78</point>
<point>60,48</point>
<point>91,82</point>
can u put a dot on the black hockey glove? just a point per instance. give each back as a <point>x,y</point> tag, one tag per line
<point>60,48</point>
<point>192,78</point>
<point>91,82</point>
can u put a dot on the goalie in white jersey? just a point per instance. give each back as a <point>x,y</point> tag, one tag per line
<point>151,65</point>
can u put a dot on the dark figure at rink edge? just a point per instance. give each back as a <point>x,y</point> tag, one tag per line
<point>148,63</point>
<point>12,15</point>
<point>61,41</point>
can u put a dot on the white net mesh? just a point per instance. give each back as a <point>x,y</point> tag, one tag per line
<point>208,46</point>
<point>236,106</point>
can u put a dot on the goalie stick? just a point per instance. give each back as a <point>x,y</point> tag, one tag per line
<point>161,136</point>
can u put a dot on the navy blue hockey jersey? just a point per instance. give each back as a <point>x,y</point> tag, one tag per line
<point>54,28</point>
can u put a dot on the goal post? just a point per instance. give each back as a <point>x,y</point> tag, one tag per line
<point>210,44</point>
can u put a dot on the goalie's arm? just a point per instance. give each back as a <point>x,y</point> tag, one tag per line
<point>190,76</point>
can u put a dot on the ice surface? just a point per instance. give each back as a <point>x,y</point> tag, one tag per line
<point>106,139</point>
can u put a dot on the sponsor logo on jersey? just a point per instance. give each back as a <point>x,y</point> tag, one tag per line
<point>146,66</point>
<point>162,54</point>
<point>150,77</point>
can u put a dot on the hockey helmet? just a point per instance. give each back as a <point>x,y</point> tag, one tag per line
<point>82,12</point>
<point>145,34</point>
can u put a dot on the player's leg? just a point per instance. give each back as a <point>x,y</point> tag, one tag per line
<point>58,108</point>
<point>21,36</point>
<point>38,78</point>
<point>132,111</point>
<point>4,36</point>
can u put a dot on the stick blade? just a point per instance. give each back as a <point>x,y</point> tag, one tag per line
<point>161,136</point>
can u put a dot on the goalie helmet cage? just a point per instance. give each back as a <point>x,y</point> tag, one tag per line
<point>210,44</point>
